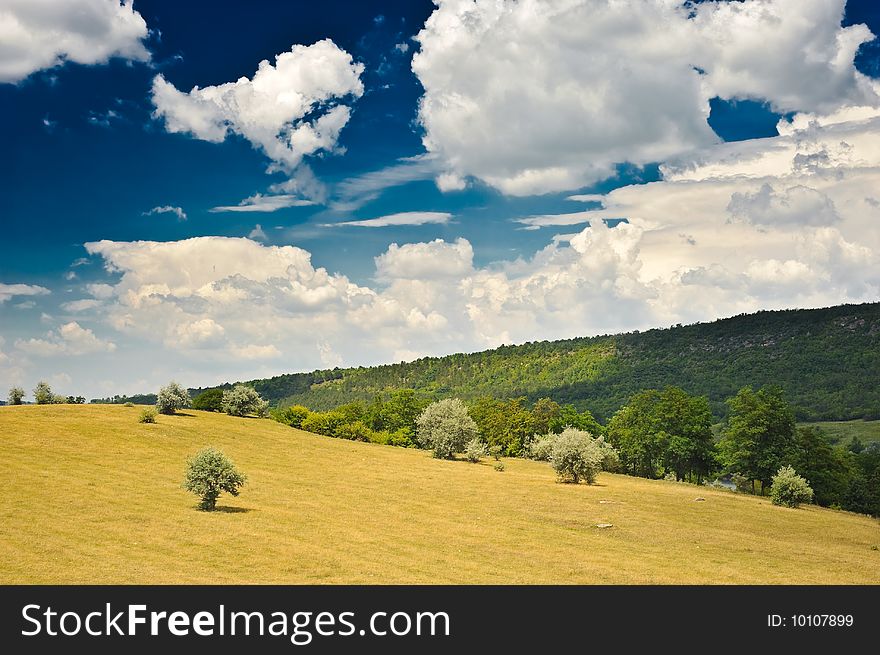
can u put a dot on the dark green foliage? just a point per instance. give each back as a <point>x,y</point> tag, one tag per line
<point>208,474</point>
<point>209,401</point>
<point>827,468</point>
<point>660,432</point>
<point>292,416</point>
<point>137,399</point>
<point>505,423</point>
<point>819,357</point>
<point>759,434</point>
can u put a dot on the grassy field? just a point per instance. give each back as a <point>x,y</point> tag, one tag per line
<point>844,431</point>
<point>92,496</point>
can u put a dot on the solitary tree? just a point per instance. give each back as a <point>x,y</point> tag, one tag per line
<point>242,400</point>
<point>172,397</point>
<point>446,427</point>
<point>789,489</point>
<point>576,456</point>
<point>43,393</point>
<point>208,474</point>
<point>15,395</point>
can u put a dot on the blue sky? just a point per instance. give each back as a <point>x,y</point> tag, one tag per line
<point>505,143</point>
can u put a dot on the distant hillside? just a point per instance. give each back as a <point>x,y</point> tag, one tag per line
<point>827,360</point>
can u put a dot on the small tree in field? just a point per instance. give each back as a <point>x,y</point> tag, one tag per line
<point>172,397</point>
<point>446,427</point>
<point>475,451</point>
<point>790,489</point>
<point>576,456</point>
<point>15,395</point>
<point>43,393</point>
<point>242,400</point>
<point>208,474</point>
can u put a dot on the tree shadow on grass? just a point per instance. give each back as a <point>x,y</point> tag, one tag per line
<point>182,414</point>
<point>226,509</point>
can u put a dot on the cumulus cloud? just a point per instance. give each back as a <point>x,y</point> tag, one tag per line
<point>436,259</point>
<point>766,224</point>
<point>8,291</point>
<point>40,34</point>
<point>798,205</point>
<point>69,339</point>
<point>534,97</point>
<point>288,110</point>
<point>402,218</point>
<point>167,209</point>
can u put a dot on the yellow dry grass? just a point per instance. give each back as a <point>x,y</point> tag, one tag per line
<point>92,496</point>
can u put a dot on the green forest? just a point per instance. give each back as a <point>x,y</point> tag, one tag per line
<point>827,361</point>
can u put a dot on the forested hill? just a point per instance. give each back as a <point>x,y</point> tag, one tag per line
<point>827,361</point>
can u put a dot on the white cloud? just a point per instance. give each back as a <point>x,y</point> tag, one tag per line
<point>534,97</point>
<point>355,192</point>
<point>257,233</point>
<point>798,206</point>
<point>8,291</point>
<point>268,203</point>
<point>69,339</point>
<point>81,305</point>
<point>288,110</point>
<point>767,224</point>
<point>167,209</point>
<point>100,291</point>
<point>436,259</point>
<point>402,218</point>
<point>40,34</point>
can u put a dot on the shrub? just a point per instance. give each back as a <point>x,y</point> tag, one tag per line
<point>242,400</point>
<point>499,466</point>
<point>671,477</point>
<point>541,445</point>
<point>172,397</point>
<point>789,489</point>
<point>148,415</point>
<point>475,451</point>
<point>326,423</point>
<point>128,404</point>
<point>208,474</point>
<point>401,437</point>
<point>356,431</point>
<point>576,456</point>
<point>292,416</point>
<point>209,401</point>
<point>58,399</point>
<point>43,393</point>
<point>446,427</point>
<point>15,395</point>
<point>495,452</point>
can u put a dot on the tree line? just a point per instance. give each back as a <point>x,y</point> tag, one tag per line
<point>658,433</point>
